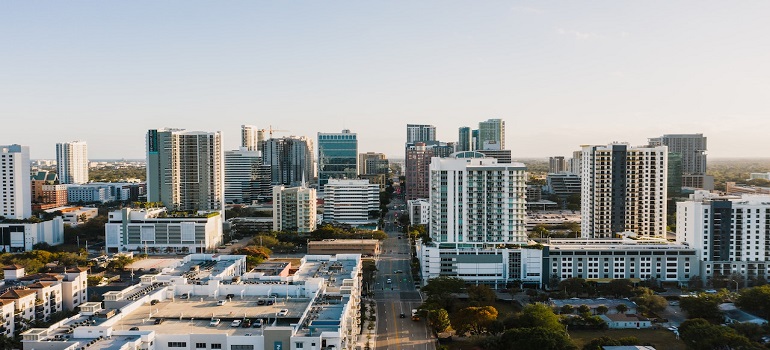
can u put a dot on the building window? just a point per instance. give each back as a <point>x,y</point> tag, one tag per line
<point>216,346</point>
<point>241,347</point>
<point>200,345</point>
<point>177,344</point>
<point>299,345</point>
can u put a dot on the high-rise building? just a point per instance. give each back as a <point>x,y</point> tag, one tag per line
<point>250,137</point>
<point>242,176</point>
<point>16,202</point>
<point>420,133</point>
<point>624,190</point>
<point>503,156</point>
<point>351,202</point>
<point>185,169</point>
<point>371,163</point>
<point>72,162</point>
<point>475,140</point>
<point>294,209</point>
<point>417,170</point>
<point>557,164</point>
<point>337,156</point>
<point>575,163</point>
<point>492,130</point>
<point>477,200</point>
<point>692,148</point>
<point>464,139</point>
<point>290,160</point>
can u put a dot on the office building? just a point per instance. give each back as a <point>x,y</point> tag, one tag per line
<point>315,305</point>
<point>477,200</point>
<point>730,233</point>
<point>492,130</point>
<point>416,170</point>
<point>72,162</point>
<point>22,237</point>
<point>464,142</point>
<point>371,163</point>
<point>185,169</point>
<point>503,156</point>
<point>250,138</point>
<point>16,202</point>
<point>563,184</point>
<point>420,133</point>
<point>365,247</point>
<point>352,202</point>
<point>294,209</point>
<point>245,177</point>
<point>692,148</point>
<point>557,164</point>
<point>290,160</point>
<point>46,191</point>
<point>337,156</point>
<point>624,190</point>
<point>156,230</point>
<point>762,176</point>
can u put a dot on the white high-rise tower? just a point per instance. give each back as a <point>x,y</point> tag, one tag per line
<point>16,202</point>
<point>72,162</point>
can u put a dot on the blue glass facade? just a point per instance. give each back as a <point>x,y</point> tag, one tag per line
<point>337,156</point>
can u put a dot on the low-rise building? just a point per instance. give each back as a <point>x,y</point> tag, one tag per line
<point>22,236</point>
<point>352,202</point>
<point>594,304</point>
<point>154,230</point>
<point>194,304</point>
<point>419,211</point>
<point>626,321</point>
<point>369,247</point>
<point>294,209</point>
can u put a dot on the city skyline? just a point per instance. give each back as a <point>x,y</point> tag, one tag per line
<point>559,74</point>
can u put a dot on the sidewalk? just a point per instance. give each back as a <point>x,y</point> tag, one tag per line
<point>368,335</point>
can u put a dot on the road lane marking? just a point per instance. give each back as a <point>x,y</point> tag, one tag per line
<point>395,323</point>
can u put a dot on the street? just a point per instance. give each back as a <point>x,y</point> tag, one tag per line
<point>398,297</point>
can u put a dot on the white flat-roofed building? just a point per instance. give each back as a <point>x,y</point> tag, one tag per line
<point>730,233</point>
<point>154,230</point>
<point>315,308</point>
<point>602,260</point>
<point>419,211</point>
<point>351,202</point>
<point>16,189</point>
<point>8,324</point>
<point>72,162</point>
<point>21,237</point>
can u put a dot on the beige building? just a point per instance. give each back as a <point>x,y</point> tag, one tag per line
<point>294,209</point>
<point>344,246</point>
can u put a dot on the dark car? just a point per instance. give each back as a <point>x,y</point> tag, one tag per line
<point>158,320</point>
<point>134,329</point>
<point>154,301</point>
<point>246,323</point>
<point>402,315</point>
<point>260,302</point>
<point>270,302</point>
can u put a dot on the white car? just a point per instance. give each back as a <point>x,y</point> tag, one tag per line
<point>214,322</point>
<point>236,323</point>
<point>283,312</point>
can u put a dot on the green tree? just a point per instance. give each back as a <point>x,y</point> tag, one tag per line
<point>705,306</point>
<point>481,295</point>
<point>573,286</point>
<point>567,309</point>
<point>602,309</point>
<point>620,287</point>
<point>536,338</point>
<point>475,319</point>
<point>584,309</point>
<point>440,291</point>
<point>651,302</point>
<point>621,308</point>
<point>536,316</point>
<point>439,320</point>
<point>700,334</point>
<point>755,300</point>
<point>601,342</point>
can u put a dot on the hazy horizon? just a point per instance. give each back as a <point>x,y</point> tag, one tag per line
<point>561,74</point>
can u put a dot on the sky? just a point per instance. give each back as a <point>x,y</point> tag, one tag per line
<point>560,73</point>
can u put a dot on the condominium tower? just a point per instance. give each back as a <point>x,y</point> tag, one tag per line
<point>246,179</point>
<point>16,202</point>
<point>72,162</point>
<point>692,149</point>
<point>185,169</point>
<point>420,133</point>
<point>250,137</point>
<point>491,131</point>
<point>475,199</point>
<point>623,189</point>
<point>337,156</point>
<point>294,209</point>
<point>464,139</point>
<point>290,160</point>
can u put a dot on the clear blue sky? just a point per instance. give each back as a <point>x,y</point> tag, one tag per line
<point>560,74</point>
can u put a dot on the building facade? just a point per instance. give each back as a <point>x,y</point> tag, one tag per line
<point>155,230</point>
<point>371,163</point>
<point>337,156</point>
<point>185,169</point>
<point>419,211</point>
<point>294,209</point>
<point>16,202</point>
<point>290,160</point>
<point>351,202</point>
<point>692,150</point>
<point>624,189</point>
<point>557,164</point>
<point>416,170</point>
<point>250,138</point>
<point>464,141</point>
<point>22,237</point>
<point>72,162</point>
<point>420,133</point>
<point>492,130</point>
<point>242,175</point>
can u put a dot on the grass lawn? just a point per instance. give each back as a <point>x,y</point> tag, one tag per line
<point>659,338</point>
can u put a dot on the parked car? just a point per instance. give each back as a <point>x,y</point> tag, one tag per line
<point>257,323</point>
<point>236,323</point>
<point>283,312</point>
<point>261,302</point>
<point>214,322</point>
<point>158,320</point>
<point>221,302</point>
<point>134,329</point>
<point>154,301</point>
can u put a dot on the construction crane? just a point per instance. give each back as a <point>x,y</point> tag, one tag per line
<point>270,130</point>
